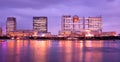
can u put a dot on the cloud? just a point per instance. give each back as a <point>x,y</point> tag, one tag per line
<point>28,3</point>
<point>46,3</point>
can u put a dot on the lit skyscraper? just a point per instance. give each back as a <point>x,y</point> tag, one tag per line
<point>81,25</point>
<point>40,24</point>
<point>10,24</point>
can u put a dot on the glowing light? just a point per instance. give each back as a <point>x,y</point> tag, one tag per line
<point>89,35</point>
<point>12,38</point>
<point>35,33</point>
<point>43,35</point>
<point>18,38</point>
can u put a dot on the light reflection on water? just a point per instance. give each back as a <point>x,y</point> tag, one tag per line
<point>59,51</point>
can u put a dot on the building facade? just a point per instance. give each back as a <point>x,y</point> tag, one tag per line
<point>112,33</point>
<point>10,24</point>
<point>81,25</point>
<point>0,31</point>
<point>21,33</point>
<point>40,24</point>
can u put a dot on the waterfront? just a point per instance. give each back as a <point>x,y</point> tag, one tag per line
<point>59,51</point>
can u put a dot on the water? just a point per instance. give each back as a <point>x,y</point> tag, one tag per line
<point>59,51</point>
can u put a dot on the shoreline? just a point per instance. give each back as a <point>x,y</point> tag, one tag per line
<point>62,38</point>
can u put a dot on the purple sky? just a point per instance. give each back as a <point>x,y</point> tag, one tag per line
<point>24,10</point>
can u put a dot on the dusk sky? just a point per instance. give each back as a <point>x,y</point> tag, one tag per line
<point>24,10</point>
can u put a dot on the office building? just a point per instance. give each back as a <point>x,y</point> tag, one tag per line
<point>80,26</point>
<point>10,24</point>
<point>40,24</point>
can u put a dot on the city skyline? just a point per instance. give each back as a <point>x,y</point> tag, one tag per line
<point>4,32</point>
<point>25,10</point>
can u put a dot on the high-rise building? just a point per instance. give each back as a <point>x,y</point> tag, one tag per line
<point>10,24</point>
<point>95,24</point>
<point>40,24</point>
<point>65,25</point>
<point>0,31</point>
<point>74,25</point>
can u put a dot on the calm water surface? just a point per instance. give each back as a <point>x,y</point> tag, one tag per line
<point>59,51</point>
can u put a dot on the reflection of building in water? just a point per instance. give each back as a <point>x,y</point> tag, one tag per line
<point>76,26</point>
<point>40,50</point>
<point>34,50</point>
<point>93,51</point>
<point>94,44</point>
<point>72,51</point>
<point>53,51</point>
<point>66,48</point>
<point>93,56</point>
<point>80,51</point>
<point>112,44</point>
